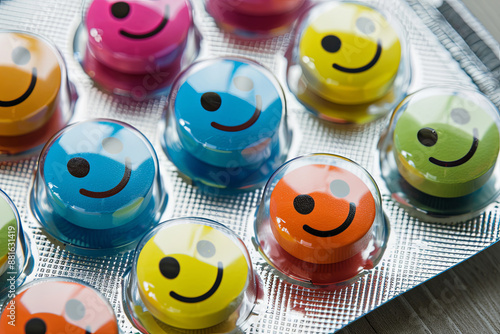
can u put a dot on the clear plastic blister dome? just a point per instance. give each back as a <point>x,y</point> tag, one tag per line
<point>98,187</point>
<point>256,18</point>
<point>191,275</point>
<point>58,305</point>
<point>36,97</point>
<point>438,157</point>
<point>136,48</point>
<point>226,126</point>
<point>348,62</point>
<point>16,261</point>
<point>320,222</point>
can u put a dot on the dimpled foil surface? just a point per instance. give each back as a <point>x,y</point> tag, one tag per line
<point>416,250</point>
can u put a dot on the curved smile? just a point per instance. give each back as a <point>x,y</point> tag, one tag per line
<point>114,190</point>
<point>362,68</point>
<point>207,294</point>
<point>247,124</point>
<point>325,234</point>
<point>152,32</point>
<point>26,94</point>
<point>463,159</point>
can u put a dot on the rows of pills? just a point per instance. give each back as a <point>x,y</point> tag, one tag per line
<point>98,187</point>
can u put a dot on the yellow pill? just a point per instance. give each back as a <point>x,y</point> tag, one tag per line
<point>191,276</point>
<point>349,53</point>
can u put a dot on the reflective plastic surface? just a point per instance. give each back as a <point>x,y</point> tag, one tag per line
<point>58,305</point>
<point>226,124</point>
<point>320,220</point>
<point>441,150</point>
<point>98,179</point>
<point>348,62</point>
<point>191,273</point>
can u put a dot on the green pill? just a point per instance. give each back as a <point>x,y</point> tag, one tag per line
<point>8,232</point>
<point>446,145</point>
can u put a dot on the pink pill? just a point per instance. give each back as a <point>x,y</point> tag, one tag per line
<point>261,7</point>
<point>138,36</point>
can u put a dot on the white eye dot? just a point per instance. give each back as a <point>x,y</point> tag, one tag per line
<point>339,188</point>
<point>112,145</point>
<point>365,25</point>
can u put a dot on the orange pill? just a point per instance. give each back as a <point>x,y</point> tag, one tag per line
<point>31,81</point>
<point>54,306</point>
<point>322,214</point>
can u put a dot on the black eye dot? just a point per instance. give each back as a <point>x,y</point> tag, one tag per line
<point>331,43</point>
<point>78,167</point>
<point>120,9</point>
<point>339,188</point>
<point>303,204</point>
<point>427,136</point>
<point>243,83</point>
<point>205,248</point>
<point>211,101</point>
<point>75,310</point>
<point>35,326</point>
<point>460,116</point>
<point>365,25</point>
<point>21,56</point>
<point>169,267</point>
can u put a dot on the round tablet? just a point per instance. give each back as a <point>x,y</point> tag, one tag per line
<point>30,86</point>
<point>322,213</point>
<point>191,275</point>
<point>349,53</point>
<point>446,145</point>
<point>99,174</point>
<point>228,112</point>
<point>58,306</point>
<point>136,36</point>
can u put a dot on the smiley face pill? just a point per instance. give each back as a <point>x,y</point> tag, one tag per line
<point>320,220</point>
<point>58,305</point>
<point>138,36</point>
<point>98,179</point>
<point>446,143</point>
<point>192,274</point>
<point>227,115</point>
<point>349,53</point>
<point>321,213</point>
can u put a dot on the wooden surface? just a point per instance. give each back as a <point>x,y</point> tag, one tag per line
<point>465,299</point>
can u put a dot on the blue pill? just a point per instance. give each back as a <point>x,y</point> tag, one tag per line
<point>99,174</point>
<point>228,113</point>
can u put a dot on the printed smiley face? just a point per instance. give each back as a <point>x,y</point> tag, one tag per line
<point>321,213</point>
<point>29,90</point>
<point>349,53</point>
<point>191,276</point>
<point>59,307</point>
<point>228,111</point>
<point>137,36</point>
<point>99,174</point>
<point>446,145</point>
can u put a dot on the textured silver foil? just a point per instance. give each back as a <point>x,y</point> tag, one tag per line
<point>416,250</point>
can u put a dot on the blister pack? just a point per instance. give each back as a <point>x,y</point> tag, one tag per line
<point>230,166</point>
